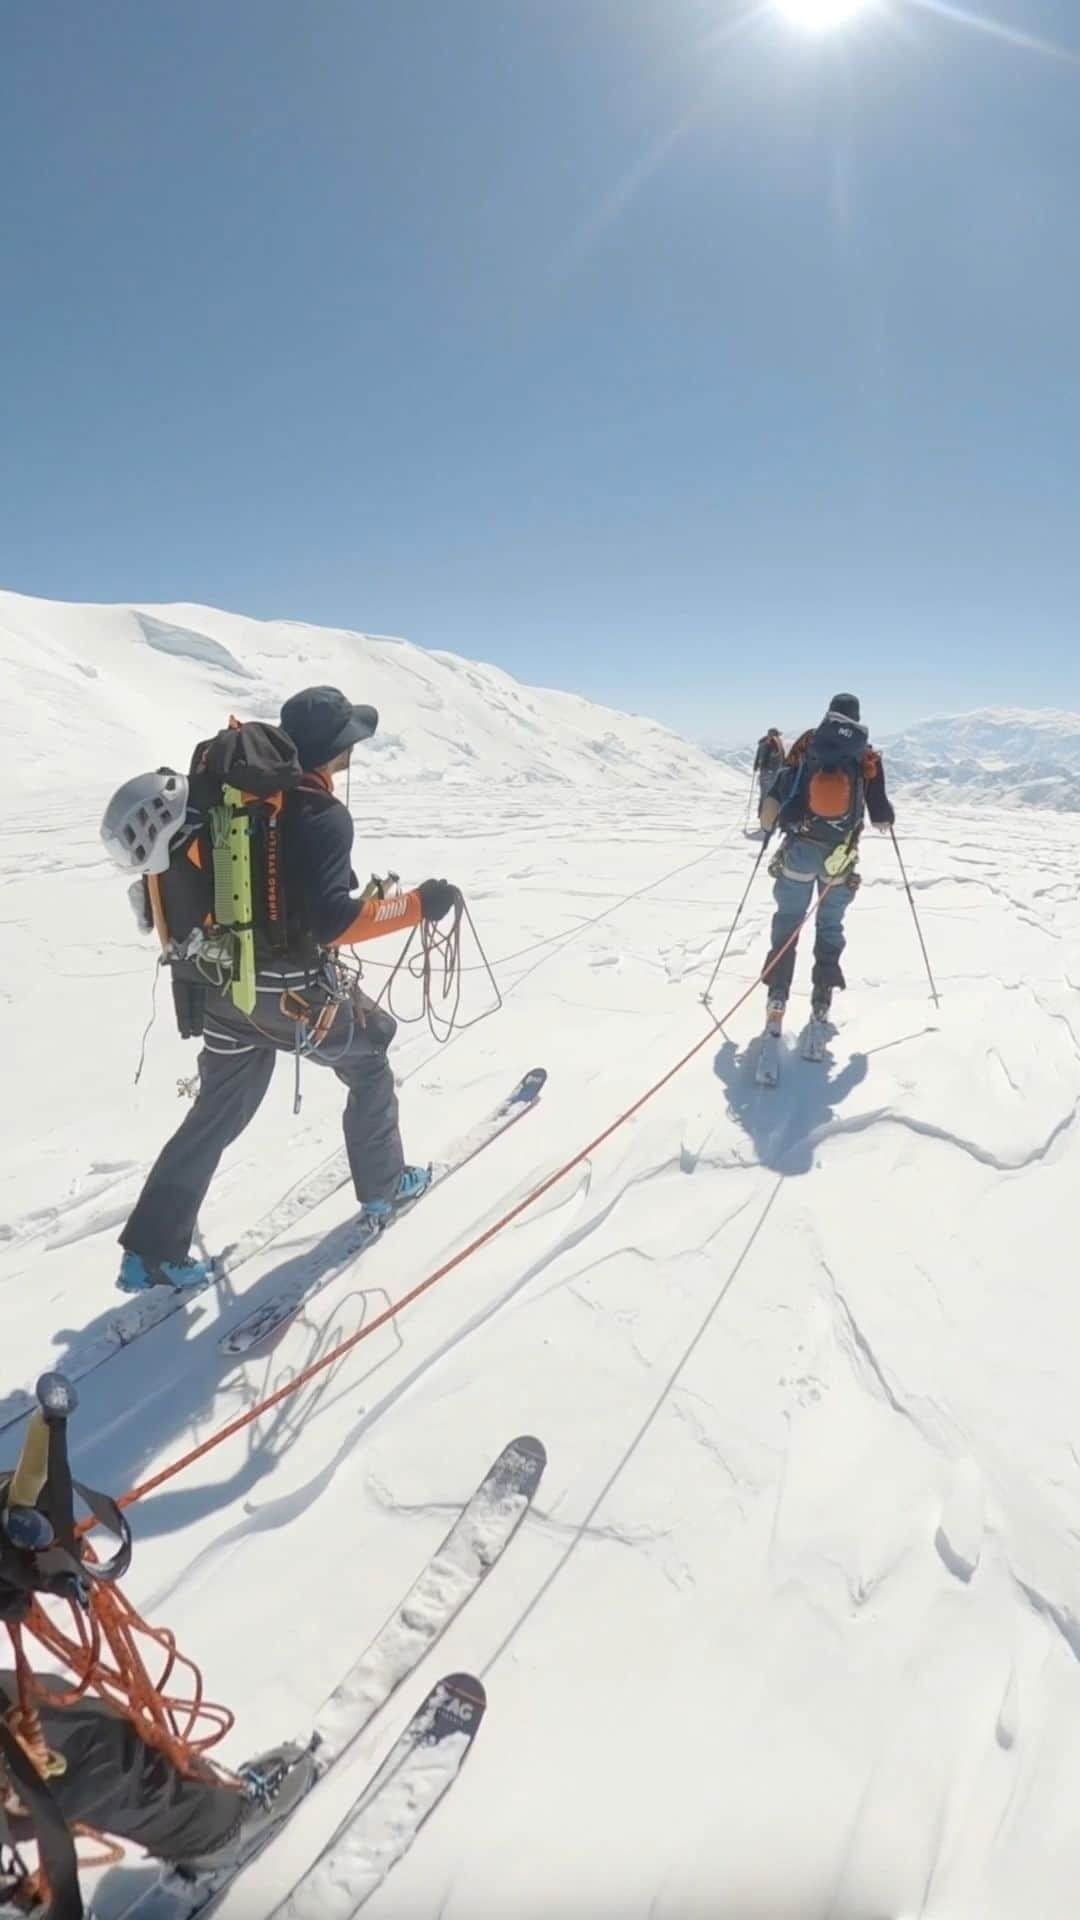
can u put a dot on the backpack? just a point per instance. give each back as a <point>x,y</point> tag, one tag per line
<point>828,796</point>
<point>220,909</point>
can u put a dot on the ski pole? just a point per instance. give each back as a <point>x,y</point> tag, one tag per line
<point>750,797</point>
<point>738,916</point>
<point>914,915</point>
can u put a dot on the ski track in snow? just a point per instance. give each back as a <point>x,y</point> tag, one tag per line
<point>803,1359</point>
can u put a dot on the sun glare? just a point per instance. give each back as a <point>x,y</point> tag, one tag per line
<point>819,14</point>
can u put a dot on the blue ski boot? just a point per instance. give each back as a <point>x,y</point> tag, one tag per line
<point>139,1272</point>
<point>411,1183</point>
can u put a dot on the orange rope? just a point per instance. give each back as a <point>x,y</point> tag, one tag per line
<point>103,1652</point>
<point>105,1657</point>
<point>365,1332</point>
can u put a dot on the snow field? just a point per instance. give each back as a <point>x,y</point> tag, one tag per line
<point>793,1631</point>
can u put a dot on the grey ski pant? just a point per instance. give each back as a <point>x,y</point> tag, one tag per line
<point>117,1783</point>
<point>235,1069</point>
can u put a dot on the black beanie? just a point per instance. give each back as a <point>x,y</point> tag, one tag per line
<point>847,704</point>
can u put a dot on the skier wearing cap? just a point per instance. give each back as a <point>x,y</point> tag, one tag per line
<point>300,1007</point>
<point>829,781</point>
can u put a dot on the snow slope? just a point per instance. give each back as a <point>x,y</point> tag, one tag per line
<point>110,676</point>
<point>794,1630</point>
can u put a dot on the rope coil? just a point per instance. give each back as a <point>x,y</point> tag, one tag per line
<point>438,970</point>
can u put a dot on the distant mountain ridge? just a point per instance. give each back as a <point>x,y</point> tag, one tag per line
<point>1015,756</point>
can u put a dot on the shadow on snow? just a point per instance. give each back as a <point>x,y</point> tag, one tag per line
<point>785,1123</point>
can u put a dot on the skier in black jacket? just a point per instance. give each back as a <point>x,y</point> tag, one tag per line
<point>768,760</point>
<point>300,1008</point>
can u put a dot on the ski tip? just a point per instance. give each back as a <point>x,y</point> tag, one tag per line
<point>532,1083</point>
<point>466,1686</point>
<point>528,1443</point>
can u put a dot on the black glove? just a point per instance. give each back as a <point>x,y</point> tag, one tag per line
<point>437,897</point>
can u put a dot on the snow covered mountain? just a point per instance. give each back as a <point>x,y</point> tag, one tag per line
<point>1012,755</point>
<point>790,1632</point>
<point>161,676</point>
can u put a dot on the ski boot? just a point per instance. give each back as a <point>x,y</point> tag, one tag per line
<point>273,1786</point>
<point>816,1039</point>
<point>411,1183</point>
<point>140,1271</point>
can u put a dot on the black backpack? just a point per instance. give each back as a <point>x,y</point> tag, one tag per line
<point>828,796</point>
<point>258,764</point>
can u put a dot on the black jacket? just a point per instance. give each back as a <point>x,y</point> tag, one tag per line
<point>317,844</point>
<point>770,752</point>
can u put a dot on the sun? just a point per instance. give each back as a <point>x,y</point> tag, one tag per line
<point>819,14</point>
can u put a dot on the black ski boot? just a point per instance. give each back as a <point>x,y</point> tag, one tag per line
<point>821,1003</point>
<point>274,1785</point>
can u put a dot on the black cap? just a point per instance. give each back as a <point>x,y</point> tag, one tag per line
<point>845,703</point>
<point>321,723</point>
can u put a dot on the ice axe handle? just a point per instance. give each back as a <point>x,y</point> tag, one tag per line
<point>33,1469</point>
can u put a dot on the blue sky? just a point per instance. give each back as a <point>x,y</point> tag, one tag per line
<point>653,348</point>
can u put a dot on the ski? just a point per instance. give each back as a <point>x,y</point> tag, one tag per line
<point>143,1312</point>
<point>767,1072</point>
<point>815,1040</point>
<point>482,1531</point>
<point>390,1810</point>
<point>264,1320</point>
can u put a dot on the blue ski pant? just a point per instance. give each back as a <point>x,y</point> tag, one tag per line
<point>801,872</point>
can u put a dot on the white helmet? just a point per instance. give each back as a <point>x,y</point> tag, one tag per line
<point>142,820</point>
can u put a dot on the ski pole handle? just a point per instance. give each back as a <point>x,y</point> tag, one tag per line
<point>24,1525</point>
